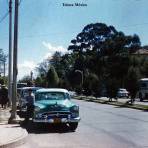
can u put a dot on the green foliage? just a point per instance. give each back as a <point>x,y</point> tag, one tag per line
<point>106,58</point>
<point>26,79</point>
<point>112,85</point>
<point>43,68</point>
<point>2,81</point>
<point>3,56</point>
<point>56,62</point>
<point>144,68</point>
<point>132,80</point>
<point>91,85</point>
<point>52,77</point>
<point>40,82</point>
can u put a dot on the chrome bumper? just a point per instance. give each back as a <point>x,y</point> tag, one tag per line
<point>61,120</point>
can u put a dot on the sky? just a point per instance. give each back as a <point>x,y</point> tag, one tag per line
<point>46,26</point>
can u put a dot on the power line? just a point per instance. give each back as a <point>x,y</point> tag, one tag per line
<point>4,17</point>
<point>7,13</point>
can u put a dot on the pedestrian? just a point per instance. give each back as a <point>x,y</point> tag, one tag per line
<point>0,96</point>
<point>30,98</point>
<point>4,96</point>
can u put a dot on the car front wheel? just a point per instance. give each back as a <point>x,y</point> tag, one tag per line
<point>73,126</point>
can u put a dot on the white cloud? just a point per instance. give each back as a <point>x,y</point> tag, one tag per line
<point>52,49</point>
<point>27,64</point>
<point>48,56</point>
<point>25,68</point>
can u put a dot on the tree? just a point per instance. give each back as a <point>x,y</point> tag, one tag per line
<point>103,40</point>
<point>56,62</point>
<point>132,81</point>
<point>91,85</point>
<point>3,56</point>
<point>40,82</point>
<point>26,79</point>
<point>144,68</point>
<point>43,68</point>
<point>2,81</point>
<point>3,59</point>
<point>104,51</point>
<point>52,77</point>
<point>112,85</point>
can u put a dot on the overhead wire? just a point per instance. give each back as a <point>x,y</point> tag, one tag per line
<point>6,14</point>
<point>4,17</point>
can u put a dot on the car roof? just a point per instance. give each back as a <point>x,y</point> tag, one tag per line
<point>26,88</point>
<point>144,79</point>
<point>53,90</point>
<point>122,89</point>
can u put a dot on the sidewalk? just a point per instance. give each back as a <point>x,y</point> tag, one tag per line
<point>11,135</point>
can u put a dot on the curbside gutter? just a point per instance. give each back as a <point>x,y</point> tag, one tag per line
<point>16,141</point>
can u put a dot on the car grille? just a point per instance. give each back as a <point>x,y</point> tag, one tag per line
<point>56,114</point>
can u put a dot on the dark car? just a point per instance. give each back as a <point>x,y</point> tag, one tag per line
<point>22,93</point>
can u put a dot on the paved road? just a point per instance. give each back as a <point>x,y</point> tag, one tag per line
<point>124,100</point>
<point>102,126</point>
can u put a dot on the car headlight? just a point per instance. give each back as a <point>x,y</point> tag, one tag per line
<point>74,111</point>
<point>75,108</point>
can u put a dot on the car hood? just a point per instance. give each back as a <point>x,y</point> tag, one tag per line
<point>53,105</point>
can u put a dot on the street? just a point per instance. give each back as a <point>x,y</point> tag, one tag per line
<point>101,126</point>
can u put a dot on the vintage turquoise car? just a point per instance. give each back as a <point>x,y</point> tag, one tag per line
<point>55,106</point>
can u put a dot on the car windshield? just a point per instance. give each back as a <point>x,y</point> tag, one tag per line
<point>50,96</point>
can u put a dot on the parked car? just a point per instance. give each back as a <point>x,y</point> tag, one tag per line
<point>54,106</point>
<point>20,85</point>
<point>122,93</point>
<point>72,93</point>
<point>22,93</point>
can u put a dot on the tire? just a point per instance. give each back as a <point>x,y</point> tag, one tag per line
<point>37,125</point>
<point>140,97</point>
<point>73,125</point>
<point>21,114</point>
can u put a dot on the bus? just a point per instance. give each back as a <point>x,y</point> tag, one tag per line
<point>143,89</point>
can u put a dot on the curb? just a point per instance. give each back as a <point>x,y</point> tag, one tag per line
<point>16,142</point>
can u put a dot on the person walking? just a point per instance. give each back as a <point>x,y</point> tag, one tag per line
<point>4,96</point>
<point>30,105</point>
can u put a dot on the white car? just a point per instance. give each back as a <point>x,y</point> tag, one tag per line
<point>122,93</point>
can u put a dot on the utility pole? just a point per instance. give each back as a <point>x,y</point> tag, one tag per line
<point>10,54</point>
<point>4,68</point>
<point>12,119</point>
<point>31,75</point>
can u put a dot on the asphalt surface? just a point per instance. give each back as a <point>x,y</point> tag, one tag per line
<point>102,126</point>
